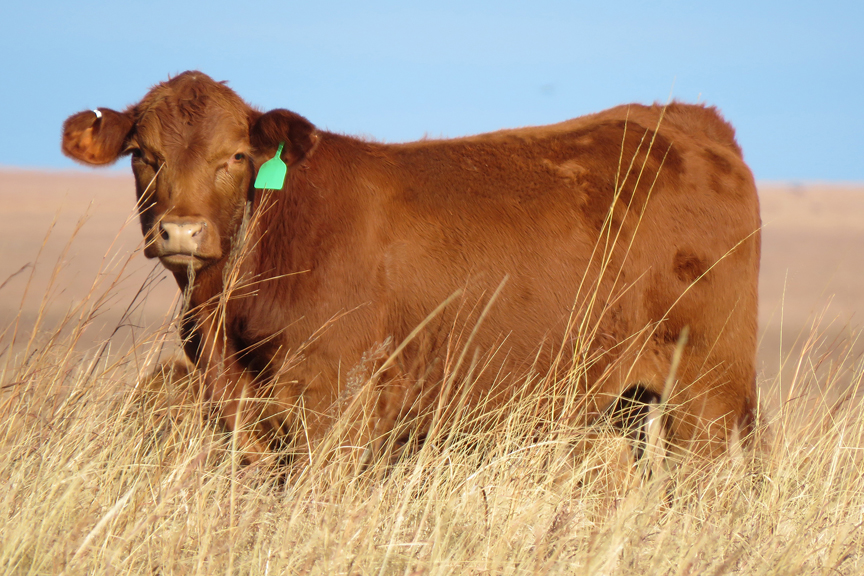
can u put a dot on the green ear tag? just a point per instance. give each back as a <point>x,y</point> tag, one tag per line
<point>271,175</point>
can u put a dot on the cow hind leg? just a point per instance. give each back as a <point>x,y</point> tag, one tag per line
<point>703,427</point>
<point>694,430</point>
<point>630,414</point>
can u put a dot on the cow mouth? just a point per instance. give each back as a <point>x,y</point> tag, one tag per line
<point>180,262</point>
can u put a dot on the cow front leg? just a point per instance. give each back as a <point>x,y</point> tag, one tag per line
<point>229,387</point>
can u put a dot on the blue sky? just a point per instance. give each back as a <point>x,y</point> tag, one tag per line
<point>788,75</point>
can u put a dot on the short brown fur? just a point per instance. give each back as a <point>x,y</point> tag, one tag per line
<point>605,236</point>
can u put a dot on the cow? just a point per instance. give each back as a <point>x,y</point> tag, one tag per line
<point>614,255</point>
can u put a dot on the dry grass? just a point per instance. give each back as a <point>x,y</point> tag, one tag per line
<point>101,476</point>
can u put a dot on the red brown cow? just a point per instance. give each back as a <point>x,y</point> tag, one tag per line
<point>568,255</point>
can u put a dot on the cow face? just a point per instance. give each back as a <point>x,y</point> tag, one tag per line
<point>195,147</point>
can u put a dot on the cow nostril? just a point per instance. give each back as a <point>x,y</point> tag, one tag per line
<point>164,233</point>
<point>197,230</point>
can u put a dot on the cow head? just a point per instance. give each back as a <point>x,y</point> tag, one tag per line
<point>195,147</point>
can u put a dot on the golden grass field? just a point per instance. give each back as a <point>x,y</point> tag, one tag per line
<point>101,477</point>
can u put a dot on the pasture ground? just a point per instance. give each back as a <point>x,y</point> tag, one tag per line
<point>99,477</point>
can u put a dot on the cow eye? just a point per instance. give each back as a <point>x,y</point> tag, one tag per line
<point>136,153</point>
<point>239,157</point>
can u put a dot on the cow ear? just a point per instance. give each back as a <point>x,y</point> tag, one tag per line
<point>96,136</point>
<point>275,126</point>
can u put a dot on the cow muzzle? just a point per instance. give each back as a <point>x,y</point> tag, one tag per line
<point>178,243</point>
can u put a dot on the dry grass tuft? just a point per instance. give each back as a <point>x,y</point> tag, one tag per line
<point>106,476</point>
